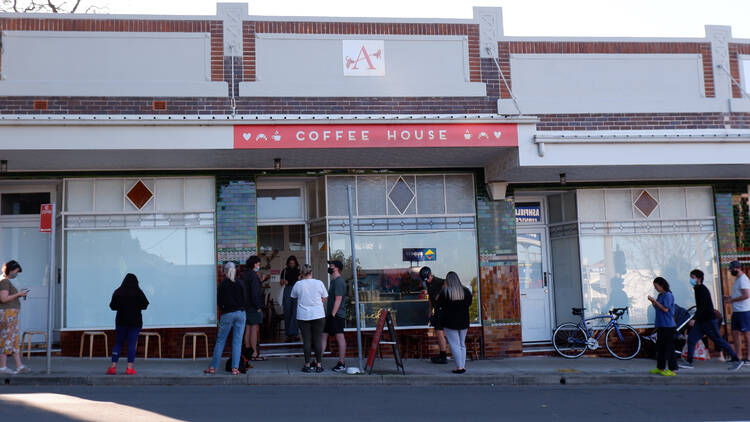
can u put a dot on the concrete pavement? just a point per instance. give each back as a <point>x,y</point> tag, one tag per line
<point>286,371</point>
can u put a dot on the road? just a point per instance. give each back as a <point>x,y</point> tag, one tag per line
<point>432,403</point>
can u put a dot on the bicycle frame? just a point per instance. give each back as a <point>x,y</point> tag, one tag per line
<point>583,324</point>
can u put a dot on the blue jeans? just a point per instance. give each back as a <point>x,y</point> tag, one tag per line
<point>123,333</point>
<point>710,329</point>
<point>234,321</point>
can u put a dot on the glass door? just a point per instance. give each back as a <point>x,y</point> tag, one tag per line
<point>535,282</point>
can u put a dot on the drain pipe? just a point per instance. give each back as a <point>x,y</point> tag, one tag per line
<point>233,103</point>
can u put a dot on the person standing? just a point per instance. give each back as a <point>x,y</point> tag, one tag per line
<point>254,306</point>
<point>129,301</point>
<point>311,294</point>
<point>289,276</point>
<point>434,287</point>
<point>10,306</point>
<point>665,328</point>
<point>231,300</point>
<point>704,324</point>
<point>740,301</point>
<point>336,312</point>
<point>454,302</point>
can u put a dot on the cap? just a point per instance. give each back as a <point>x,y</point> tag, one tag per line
<point>425,273</point>
<point>734,265</point>
<point>336,263</point>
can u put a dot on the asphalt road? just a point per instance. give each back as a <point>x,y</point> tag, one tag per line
<point>435,403</point>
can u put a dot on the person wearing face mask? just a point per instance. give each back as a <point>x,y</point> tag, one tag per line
<point>336,312</point>
<point>740,301</point>
<point>10,306</point>
<point>704,324</point>
<point>253,290</point>
<point>665,328</point>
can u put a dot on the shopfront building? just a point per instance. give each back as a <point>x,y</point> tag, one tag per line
<point>234,135</point>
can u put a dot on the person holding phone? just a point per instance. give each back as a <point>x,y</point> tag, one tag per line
<point>10,306</point>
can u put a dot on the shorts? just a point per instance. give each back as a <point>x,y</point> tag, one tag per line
<point>9,331</point>
<point>741,321</point>
<point>334,325</point>
<point>253,318</point>
<point>435,322</point>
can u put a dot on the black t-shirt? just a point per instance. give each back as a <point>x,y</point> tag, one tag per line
<point>433,289</point>
<point>291,275</point>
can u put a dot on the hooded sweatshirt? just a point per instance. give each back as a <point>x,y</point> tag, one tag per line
<point>128,300</point>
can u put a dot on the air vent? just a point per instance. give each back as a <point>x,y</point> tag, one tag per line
<point>40,104</point>
<point>160,105</point>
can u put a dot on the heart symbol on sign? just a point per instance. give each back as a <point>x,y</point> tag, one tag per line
<point>247,136</point>
<point>497,134</point>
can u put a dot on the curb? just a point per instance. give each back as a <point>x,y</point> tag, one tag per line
<point>388,379</point>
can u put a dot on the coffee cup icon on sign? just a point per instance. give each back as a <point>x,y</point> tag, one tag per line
<point>276,136</point>
<point>467,135</point>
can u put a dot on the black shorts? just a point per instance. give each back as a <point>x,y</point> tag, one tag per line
<point>435,321</point>
<point>253,318</point>
<point>334,325</point>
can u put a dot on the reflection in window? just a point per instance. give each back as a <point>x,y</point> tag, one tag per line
<point>297,238</point>
<point>175,268</point>
<point>271,238</point>
<point>386,281</point>
<point>618,271</point>
<point>23,203</point>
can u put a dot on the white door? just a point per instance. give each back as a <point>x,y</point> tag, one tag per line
<point>23,242</point>
<point>535,284</point>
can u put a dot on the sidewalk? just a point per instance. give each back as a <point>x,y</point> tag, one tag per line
<point>286,371</point>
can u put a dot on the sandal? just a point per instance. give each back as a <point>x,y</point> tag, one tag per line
<point>258,358</point>
<point>209,371</point>
<point>235,371</point>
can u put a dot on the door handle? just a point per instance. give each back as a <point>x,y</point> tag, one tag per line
<point>545,279</point>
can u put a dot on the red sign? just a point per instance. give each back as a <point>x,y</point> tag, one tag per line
<point>45,220</point>
<point>376,135</point>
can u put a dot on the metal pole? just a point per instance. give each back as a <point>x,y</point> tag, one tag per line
<point>350,202</point>
<point>51,293</point>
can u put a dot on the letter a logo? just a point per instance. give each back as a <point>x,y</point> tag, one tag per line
<point>369,61</point>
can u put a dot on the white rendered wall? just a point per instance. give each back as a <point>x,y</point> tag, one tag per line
<point>310,65</point>
<point>107,64</point>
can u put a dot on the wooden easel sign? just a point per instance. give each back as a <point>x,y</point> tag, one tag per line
<point>385,318</point>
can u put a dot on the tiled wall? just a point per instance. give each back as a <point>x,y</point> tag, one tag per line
<point>501,303</point>
<point>236,230</point>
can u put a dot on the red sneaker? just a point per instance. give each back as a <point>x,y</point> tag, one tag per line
<point>112,370</point>
<point>130,371</point>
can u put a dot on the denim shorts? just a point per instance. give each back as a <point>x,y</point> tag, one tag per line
<point>741,321</point>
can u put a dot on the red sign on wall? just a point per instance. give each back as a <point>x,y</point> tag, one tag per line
<point>376,135</point>
<point>45,220</point>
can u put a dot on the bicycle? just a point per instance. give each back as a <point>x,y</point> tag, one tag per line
<point>572,340</point>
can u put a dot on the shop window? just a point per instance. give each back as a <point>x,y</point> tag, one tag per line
<point>296,238</point>
<point>371,195</point>
<point>430,195</point>
<point>271,238</point>
<point>23,203</point>
<point>280,204</point>
<point>401,195</point>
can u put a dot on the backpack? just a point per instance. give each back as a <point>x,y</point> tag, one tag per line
<point>244,361</point>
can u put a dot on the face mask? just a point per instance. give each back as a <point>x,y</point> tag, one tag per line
<point>330,270</point>
<point>734,272</point>
<point>693,282</point>
<point>256,269</point>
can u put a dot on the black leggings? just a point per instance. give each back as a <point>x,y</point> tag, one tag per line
<point>312,332</point>
<point>665,348</point>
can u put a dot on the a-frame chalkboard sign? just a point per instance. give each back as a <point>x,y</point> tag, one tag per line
<point>385,318</point>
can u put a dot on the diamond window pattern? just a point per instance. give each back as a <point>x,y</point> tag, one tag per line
<point>401,195</point>
<point>646,203</point>
<point>139,194</point>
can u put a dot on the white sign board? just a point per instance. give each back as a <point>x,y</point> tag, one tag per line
<point>363,57</point>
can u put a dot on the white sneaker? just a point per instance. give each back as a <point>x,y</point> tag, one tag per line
<point>22,369</point>
<point>6,370</point>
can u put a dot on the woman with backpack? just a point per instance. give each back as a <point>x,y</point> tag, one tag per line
<point>129,301</point>
<point>454,301</point>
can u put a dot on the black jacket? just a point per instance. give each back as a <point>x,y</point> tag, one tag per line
<point>704,307</point>
<point>253,290</point>
<point>230,296</point>
<point>454,314</point>
<point>129,300</point>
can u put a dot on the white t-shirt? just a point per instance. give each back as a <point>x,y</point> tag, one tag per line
<point>309,293</point>
<point>741,282</point>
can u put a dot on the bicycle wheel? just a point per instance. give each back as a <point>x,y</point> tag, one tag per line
<point>624,346</point>
<point>569,340</point>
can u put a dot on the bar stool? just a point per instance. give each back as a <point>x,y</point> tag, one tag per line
<point>195,338</point>
<point>91,336</point>
<point>149,335</point>
<point>31,334</point>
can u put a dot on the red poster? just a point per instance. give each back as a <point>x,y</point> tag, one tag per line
<point>45,220</point>
<point>428,135</point>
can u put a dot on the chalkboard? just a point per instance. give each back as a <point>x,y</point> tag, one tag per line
<point>385,319</point>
